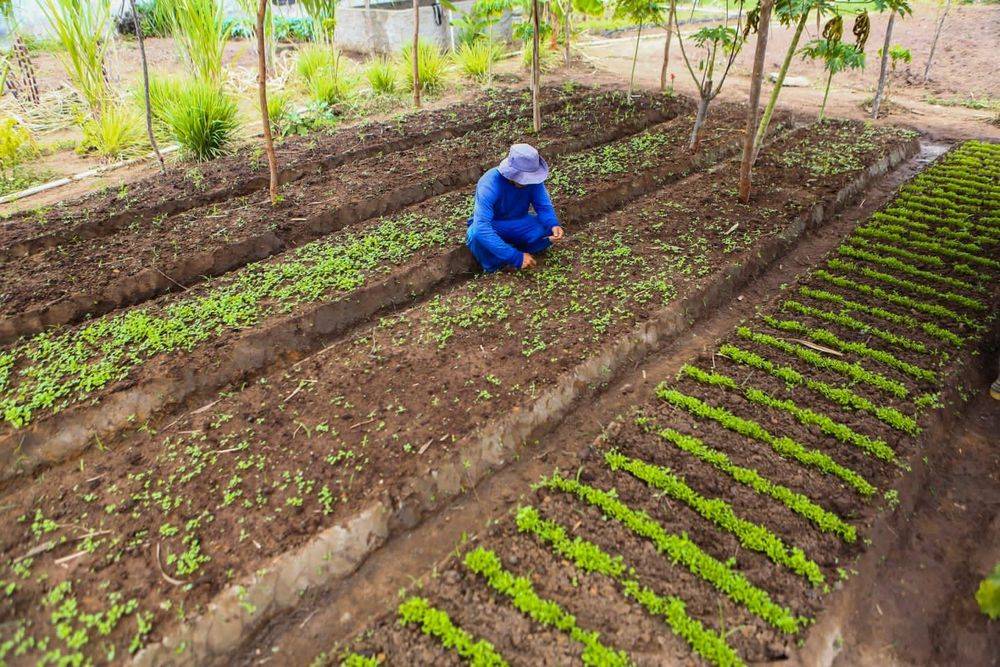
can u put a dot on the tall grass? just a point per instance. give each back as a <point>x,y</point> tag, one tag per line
<point>382,76</point>
<point>312,60</point>
<point>199,29</point>
<point>433,66</point>
<point>323,14</point>
<point>155,17</point>
<point>475,59</point>
<point>201,118</point>
<point>83,29</point>
<point>117,133</point>
<point>320,70</point>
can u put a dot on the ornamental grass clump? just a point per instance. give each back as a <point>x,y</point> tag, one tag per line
<point>319,70</point>
<point>382,76</point>
<point>199,29</point>
<point>433,67</point>
<point>475,59</point>
<point>202,119</point>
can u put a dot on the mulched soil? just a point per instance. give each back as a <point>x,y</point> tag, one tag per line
<point>750,637</point>
<point>286,454</point>
<point>116,268</point>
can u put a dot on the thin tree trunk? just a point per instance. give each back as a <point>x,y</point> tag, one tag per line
<point>145,87</point>
<point>567,29</point>
<point>937,33</point>
<point>416,53</point>
<point>773,101</point>
<point>884,71</point>
<point>826,94</point>
<point>635,57</point>
<point>699,119</point>
<point>666,46</point>
<point>756,82</point>
<point>536,110</point>
<point>272,159</point>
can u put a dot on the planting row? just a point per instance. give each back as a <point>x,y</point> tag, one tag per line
<point>93,275</point>
<point>299,298</point>
<point>187,186</point>
<point>712,519</point>
<point>192,503</point>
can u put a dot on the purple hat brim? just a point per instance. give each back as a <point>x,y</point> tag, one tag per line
<point>524,177</point>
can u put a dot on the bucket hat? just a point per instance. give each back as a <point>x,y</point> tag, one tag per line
<point>524,165</point>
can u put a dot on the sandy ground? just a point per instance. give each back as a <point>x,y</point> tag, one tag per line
<point>964,66</point>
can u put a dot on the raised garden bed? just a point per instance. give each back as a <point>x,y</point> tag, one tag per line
<point>374,428</point>
<point>128,264</point>
<point>713,520</point>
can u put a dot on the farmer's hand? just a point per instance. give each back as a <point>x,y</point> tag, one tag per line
<point>557,234</point>
<point>528,261</point>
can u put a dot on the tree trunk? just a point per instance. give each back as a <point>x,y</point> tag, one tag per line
<point>826,94</point>
<point>536,110</point>
<point>666,46</point>
<point>884,71</point>
<point>416,53</point>
<point>567,29</point>
<point>756,81</point>
<point>773,101</point>
<point>145,87</point>
<point>272,159</point>
<point>699,120</point>
<point>635,57</point>
<point>937,33</point>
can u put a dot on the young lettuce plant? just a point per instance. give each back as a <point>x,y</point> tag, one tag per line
<point>837,57</point>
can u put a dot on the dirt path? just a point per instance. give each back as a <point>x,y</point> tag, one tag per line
<point>324,620</point>
<point>967,50</point>
<point>922,610</point>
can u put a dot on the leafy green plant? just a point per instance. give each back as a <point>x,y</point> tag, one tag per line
<point>436,623</point>
<point>200,32</point>
<point>782,445</point>
<point>825,520</point>
<point>281,113</point>
<point>988,594</point>
<point>382,76</point>
<point>589,557</point>
<point>681,550</point>
<point>522,594</point>
<point>750,535</point>
<point>433,66</point>
<point>202,119</point>
<point>837,56</point>
<point>16,145</point>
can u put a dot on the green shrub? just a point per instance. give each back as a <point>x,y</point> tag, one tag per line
<point>116,133</point>
<point>16,145</point>
<point>475,59</point>
<point>202,119</point>
<point>312,60</point>
<point>433,66</point>
<point>382,76</point>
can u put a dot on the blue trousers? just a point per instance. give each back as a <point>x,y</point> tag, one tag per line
<point>524,234</point>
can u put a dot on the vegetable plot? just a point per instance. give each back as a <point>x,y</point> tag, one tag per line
<point>207,494</point>
<point>724,508</point>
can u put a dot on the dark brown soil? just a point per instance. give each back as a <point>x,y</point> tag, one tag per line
<point>277,458</point>
<point>92,274</point>
<point>186,186</point>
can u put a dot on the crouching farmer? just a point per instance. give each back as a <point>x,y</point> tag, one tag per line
<point>502,232</point>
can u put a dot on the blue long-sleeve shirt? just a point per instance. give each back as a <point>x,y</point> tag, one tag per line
<point>498,199</point>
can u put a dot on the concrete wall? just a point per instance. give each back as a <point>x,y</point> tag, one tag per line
<point>385,31</point>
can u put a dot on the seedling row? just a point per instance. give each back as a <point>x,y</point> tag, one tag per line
<point>192,502</point>
<point>726,507</point>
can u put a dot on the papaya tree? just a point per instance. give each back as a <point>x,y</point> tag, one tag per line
<point>720,44</point>
<point>641,12</point>
<point>837,56</point>
<point>759,21</point>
